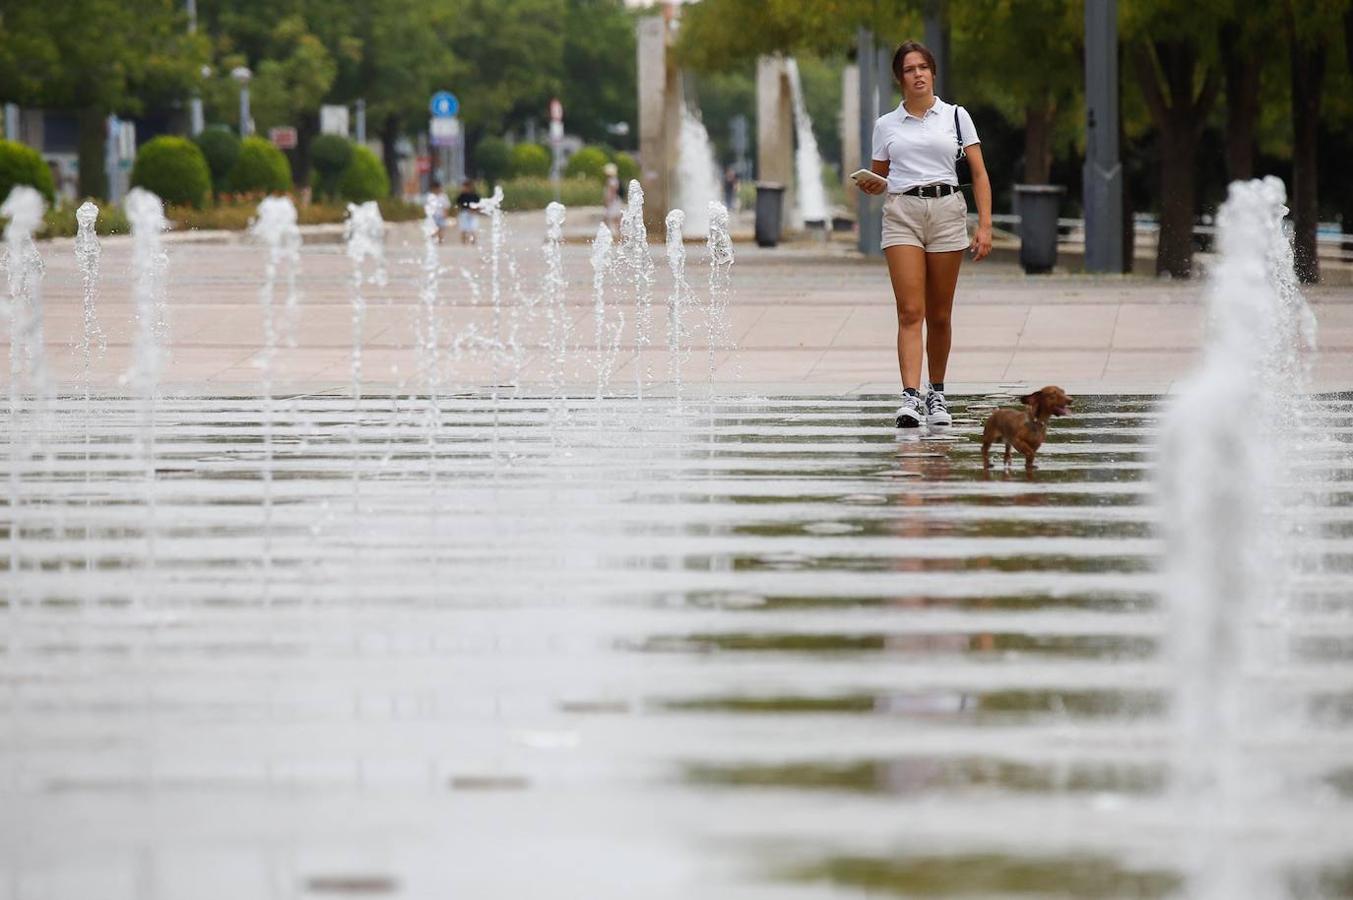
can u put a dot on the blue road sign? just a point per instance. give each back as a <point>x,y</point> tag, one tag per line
<point>444,104</point>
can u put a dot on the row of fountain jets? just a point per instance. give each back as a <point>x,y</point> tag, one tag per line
<point>624,278</point>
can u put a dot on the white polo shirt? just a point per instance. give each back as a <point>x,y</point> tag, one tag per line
<point>921,150</point>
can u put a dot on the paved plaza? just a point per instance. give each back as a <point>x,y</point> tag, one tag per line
<point>805,318</point>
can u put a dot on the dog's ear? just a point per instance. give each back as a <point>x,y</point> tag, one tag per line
<point>1029,399</point>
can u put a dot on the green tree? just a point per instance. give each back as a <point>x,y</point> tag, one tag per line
<point>1310,27</point>
<point>97,57</point>
<point>598,71</point>
<point>174,169</point>
<point>511,60</point>
<point>992,41</point>
<point>1172,52</point>
<point>530,160</point>
<point>493,157</point>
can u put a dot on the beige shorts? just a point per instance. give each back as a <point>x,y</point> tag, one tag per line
<point>938,225</point>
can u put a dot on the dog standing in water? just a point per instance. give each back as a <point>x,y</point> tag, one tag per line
<point>1025,429</point>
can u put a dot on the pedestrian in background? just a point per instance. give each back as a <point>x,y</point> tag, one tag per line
<point>467,218</point>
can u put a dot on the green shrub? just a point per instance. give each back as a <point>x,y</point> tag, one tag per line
<point>589,162</point>
<point>364,178</point>
<point>221,147</point>
<point>530,161</point>
<point>493,157</point>
<point>174,169</point>
<point>260,168</point>
<point>20,164</point>
<point>60,221</point>
<point>329,157</point>
<point>537,193</point>
<point>629,169</point>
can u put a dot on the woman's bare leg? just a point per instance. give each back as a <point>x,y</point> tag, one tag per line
<point>907,269</point>
<point>941,277</point>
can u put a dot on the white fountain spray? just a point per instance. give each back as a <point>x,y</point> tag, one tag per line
<point>555,290</point>
<point>718,326</point>
<point>676,304</point>
<point>429,354</point>
<point>607,339</point>
<point>1222,487</point>
<point>698,180</point>
<point>93,343</point>
<point>275,225</point>
<point>145,212</point>
<point>635,256</point>
<point>24,207</point>
<point>365,232</point>
<point>812,197</point>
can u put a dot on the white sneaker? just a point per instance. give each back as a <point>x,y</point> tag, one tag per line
<point>911,413</point>
<point>936,413</point>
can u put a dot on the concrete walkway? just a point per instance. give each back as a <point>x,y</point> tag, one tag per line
<point>806,318</point>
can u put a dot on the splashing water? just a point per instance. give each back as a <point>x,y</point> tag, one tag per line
<point>676,305</point>
<point>429,342</point>
<point>24,208</point>
<point>145,212</point>
<point>635,257</point>
<point>720,248</point>
<point>555,291</point>
<point>93,343</point>
<point>1223,487</point>
<point>365,232</point>
<point>275,225</point>
<point>812,197</point>
<point>607,339</point>
<point>698,180</point>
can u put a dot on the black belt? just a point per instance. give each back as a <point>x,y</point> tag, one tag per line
<point>932,191</point>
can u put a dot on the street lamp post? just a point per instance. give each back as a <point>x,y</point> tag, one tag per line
<point>242,75</point>
<point>195,119</point>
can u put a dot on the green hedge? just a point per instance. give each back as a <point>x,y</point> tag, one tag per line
<point>174,169</point>
<point>589,162</point>
<point>364,178</point>
<point>21,164</point>
<point>330,156</point>
<point>537,193</point>
<point>221,147</point>
<point>530,161</point>
<point>260,168</point>
<point>629,169</point>
<point>493,159</point>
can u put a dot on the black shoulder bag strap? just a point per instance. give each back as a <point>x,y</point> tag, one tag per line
<point>961,167</point>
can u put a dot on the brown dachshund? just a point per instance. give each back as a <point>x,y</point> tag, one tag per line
<point>1024,429</point>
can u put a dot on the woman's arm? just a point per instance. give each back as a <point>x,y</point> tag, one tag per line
<point>981,191</point>
<point>878,167</point>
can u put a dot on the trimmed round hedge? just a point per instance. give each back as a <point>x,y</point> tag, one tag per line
<point>21,164</point>
<point>493,157</point>
<point>589,162</point>
<point>530,161</point>
<point>329,157</point>
<point>174,169</point>
<point>221,147</point>
<point>364,178</point>
<point>628,168</point>
<point>260,168</point>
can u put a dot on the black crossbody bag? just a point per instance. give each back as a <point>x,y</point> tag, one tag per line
<point>961,166</point>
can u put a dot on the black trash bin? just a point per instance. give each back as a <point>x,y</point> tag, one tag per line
<point>770,202</point>
<point>1037,206</point>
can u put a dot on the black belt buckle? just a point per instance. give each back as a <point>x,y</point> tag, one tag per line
<point>931,191</point>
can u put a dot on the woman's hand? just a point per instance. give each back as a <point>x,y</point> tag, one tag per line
<point>870,186</point>
<point>981,242</point>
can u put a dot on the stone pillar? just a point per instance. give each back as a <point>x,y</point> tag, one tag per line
<point>852,156</point>
<point>775,127</point>
<point>660,101</point>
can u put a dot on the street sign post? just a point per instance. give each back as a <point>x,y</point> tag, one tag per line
<point>444,105</point>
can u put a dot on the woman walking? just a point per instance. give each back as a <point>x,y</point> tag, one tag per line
<point>925,223</point>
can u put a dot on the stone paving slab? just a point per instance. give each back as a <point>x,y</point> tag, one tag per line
<point>803,316</point>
